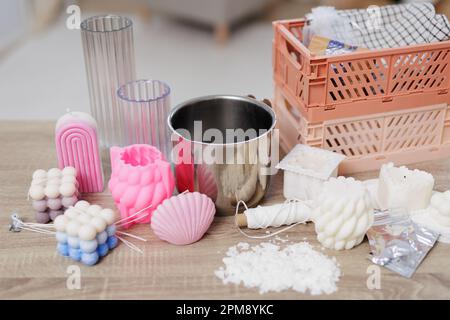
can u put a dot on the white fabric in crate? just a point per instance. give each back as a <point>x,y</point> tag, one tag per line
<point>394,26</point>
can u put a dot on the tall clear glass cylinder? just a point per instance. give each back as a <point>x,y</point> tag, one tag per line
<point>146,105</point>
<point>109,57</point>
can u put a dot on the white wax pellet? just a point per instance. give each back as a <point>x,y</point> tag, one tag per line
<point>51,191</point>
<point>69,171</point>
<point>40,174</point>
<point>99,224</point>
<point>54,173</point>
<point>87,232</point>
<point>68,179</point>
<point>37,192</point>
<point>94,210</point>
<point>60,223</point>
<point>109,216</point>
<point>72,228</point>
<point>83,205</point>
<point>67,189</point>
<point>72,213</point>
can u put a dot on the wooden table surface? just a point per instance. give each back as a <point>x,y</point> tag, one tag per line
<point>30,268</point>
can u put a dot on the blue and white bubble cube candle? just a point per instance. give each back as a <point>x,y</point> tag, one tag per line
<point>86,232</point>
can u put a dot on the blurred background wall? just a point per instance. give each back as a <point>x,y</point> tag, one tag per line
<point>197,46</point>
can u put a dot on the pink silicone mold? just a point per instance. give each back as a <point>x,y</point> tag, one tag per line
<point>140,177</point>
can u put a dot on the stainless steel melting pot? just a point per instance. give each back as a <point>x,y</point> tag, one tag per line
<point>222,147</point>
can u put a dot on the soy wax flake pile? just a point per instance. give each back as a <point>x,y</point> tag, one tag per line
<point>269,267</point>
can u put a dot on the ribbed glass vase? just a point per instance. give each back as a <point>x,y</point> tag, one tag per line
<point>145,105</point>
<point>109,57</point>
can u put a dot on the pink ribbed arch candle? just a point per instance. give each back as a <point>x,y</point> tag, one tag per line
<point>77,146</point>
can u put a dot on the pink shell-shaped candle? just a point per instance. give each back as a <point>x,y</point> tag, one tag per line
<point>183,219</point>
<point>140,179</point>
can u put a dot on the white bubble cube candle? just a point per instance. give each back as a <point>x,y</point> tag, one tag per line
<point>399,187</point>
<point>86,232</point>
<point>52,192</point>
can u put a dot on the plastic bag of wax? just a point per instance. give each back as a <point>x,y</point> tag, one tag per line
<point>326,22</point>
<point>397,243</point>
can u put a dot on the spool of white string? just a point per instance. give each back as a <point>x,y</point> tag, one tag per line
<point>277,215</point>
<point>291,212</point>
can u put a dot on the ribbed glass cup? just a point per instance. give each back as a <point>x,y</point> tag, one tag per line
<point>145,105</point>
<point>109,57</point>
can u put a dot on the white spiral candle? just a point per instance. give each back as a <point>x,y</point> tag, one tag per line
<point>343,213</point>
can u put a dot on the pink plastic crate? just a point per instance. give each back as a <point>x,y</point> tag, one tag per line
<point>403,137</point>
<point>359,83</point>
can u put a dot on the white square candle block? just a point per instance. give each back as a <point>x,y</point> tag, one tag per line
<point>399,187</point>
<point>306,169</point>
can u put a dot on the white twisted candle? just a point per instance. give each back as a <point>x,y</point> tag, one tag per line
<point>344,213</point>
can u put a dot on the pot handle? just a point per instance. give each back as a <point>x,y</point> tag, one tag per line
<point>266,101</point>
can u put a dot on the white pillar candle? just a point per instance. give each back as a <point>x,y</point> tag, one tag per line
<point>400,187</point>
